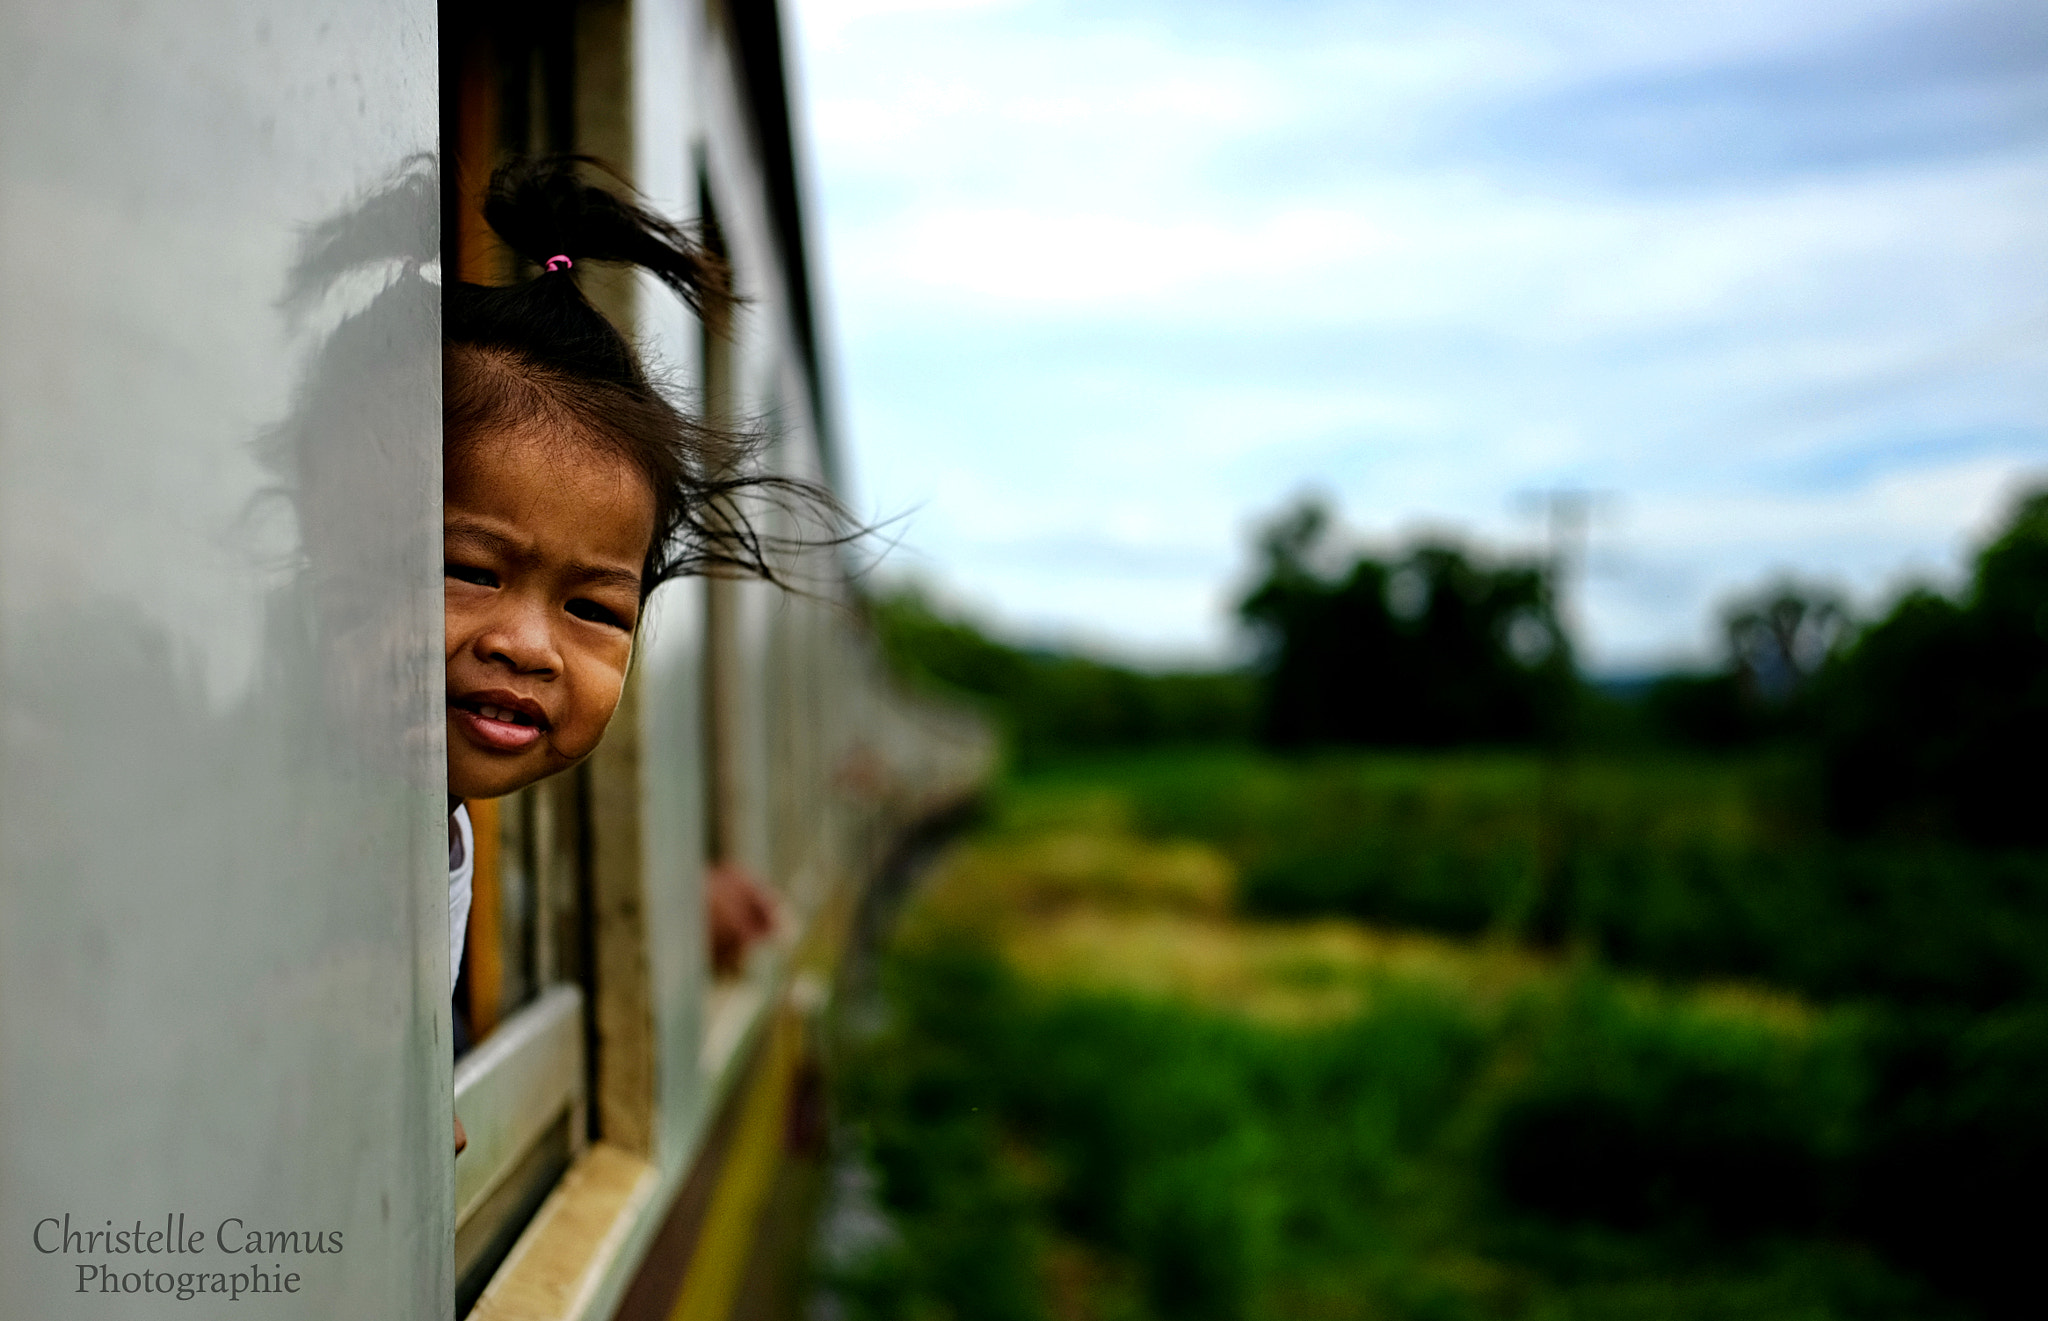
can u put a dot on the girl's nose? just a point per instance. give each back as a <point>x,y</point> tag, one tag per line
<point>518,635</point>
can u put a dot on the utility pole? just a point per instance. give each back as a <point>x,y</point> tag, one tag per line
<point>1567,516</point>
<point>1567,521</point>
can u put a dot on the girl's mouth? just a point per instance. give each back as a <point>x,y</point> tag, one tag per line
<point>495,727</point>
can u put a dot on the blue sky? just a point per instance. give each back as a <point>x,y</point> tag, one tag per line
<point>1111,282</point>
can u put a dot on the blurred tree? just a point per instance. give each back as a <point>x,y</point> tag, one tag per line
<point>1431,649</point>
<point>1778,641</point>
<point>1935,719</point>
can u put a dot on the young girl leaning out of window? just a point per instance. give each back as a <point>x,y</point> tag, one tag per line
<point>573,489</point>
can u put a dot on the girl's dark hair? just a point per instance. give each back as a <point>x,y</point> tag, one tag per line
<point>538,351</point>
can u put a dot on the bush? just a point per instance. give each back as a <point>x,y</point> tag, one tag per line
<point>1212,1168</point>
<point>1662,1120</point>
<point>1704,711</point>
<point>1681,868</point>
<point>1950,1174</point>
<point>1052,705</point>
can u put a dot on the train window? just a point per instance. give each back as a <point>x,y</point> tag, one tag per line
<point>522,1004</point>
<point>743,881</point>
<point>522,1087</point>
<point>796,723</point>
<point>524,929</point>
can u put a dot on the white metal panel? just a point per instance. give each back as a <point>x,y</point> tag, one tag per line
<point>672,803</point>
<point>512,1087</point>
<point>223,930</point>
<point>672,787</point>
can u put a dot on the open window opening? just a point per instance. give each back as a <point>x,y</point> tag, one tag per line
<point>522,1000</point>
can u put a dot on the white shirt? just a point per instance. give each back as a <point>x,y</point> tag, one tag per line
<point>461,872</point>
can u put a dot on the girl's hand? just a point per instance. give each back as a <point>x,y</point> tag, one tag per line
<point>739,911</point>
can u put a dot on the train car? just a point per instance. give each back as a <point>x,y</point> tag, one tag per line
<point>228,1057</point>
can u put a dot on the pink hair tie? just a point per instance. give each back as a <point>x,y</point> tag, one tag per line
<point>558,257</point>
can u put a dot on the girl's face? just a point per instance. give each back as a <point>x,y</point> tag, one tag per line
<point>543,537</point>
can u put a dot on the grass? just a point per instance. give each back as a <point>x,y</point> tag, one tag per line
<point>1683,867</point>
<point>1116,1085</point>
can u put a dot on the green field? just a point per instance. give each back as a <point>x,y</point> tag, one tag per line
<point>1487,1035</point>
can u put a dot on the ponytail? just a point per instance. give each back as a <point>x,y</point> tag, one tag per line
<point>538,351</point>
<point>542,208</point>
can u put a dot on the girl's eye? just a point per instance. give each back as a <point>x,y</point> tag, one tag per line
<point>584,608</point>
<point>468,573</point>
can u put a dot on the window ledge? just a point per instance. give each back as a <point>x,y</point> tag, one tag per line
<point>566,1256</point>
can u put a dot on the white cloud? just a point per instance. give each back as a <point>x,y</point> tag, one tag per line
<point>825,23</point>
<point>1114,283</point>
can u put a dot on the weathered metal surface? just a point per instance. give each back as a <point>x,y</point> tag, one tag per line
<point>223,945</point>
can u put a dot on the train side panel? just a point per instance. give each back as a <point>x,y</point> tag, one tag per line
<point>223,919</point>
